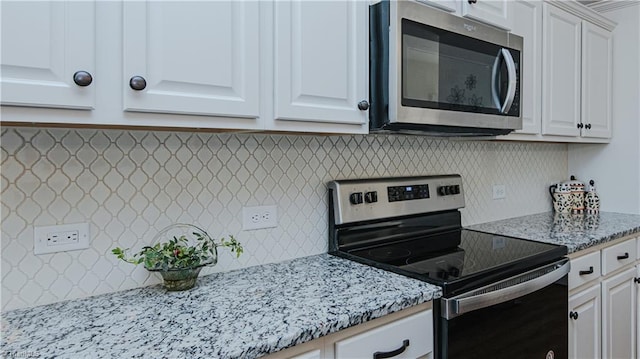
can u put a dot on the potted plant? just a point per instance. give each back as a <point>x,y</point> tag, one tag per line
<point>179,253</point>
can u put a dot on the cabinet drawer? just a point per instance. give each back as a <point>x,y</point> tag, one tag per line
<point>416,329</point>
<point>584,269</point>
<point>618,256</point>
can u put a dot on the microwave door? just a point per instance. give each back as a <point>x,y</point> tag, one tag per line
<point>442,70</point>
<point>504,83</point>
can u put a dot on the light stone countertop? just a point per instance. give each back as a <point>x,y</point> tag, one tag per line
<point>238,314</point>
<point>259,310</point>
<point>576,231</point>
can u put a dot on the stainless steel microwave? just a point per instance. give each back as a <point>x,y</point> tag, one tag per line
<point>435,73</point>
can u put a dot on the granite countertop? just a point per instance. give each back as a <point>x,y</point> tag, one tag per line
<point>239,314</point>
<point>576,231</point>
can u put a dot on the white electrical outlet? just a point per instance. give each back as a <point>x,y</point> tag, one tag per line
<point>499,191</point>
<point>259,217</point>
<point>62,238</point>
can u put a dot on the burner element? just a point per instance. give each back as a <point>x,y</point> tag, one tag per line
<point>389,253</point>
<point>442,267</point>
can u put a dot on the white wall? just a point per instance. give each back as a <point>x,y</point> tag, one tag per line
<point>130,184</point>
<point>616,166</point>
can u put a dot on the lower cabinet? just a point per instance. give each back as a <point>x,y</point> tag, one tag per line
<point>619,315</point>
<point>603,302</point>
<point>584,324</point>
<point>401,335</point>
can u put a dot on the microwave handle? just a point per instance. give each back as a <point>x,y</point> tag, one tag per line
<point>511,86</point>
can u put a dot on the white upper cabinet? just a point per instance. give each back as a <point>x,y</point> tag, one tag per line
<point>596,81</point>
<point>321,61</point>
<point>199,58</point>
<point>561,72</point>
<point>566,74</point>
<point>526,21</point>
<point>44,45</point>
<point>446,5</point>
<point>492,12</point>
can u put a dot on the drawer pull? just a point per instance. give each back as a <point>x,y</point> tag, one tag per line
<point>585,272</point>
<point>625,256</point>
<point>391,354</point>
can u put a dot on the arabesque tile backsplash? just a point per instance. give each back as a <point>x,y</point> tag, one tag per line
<point>130,184</point>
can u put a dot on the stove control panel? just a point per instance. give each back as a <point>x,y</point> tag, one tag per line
<point>448,190</point>
<point>369,199</point>
<point>407,193</point>
<point>355,198</point>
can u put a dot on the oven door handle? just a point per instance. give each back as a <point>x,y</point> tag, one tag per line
<point>502,291</point>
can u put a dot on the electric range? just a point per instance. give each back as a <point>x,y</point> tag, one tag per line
<point>412,226</point>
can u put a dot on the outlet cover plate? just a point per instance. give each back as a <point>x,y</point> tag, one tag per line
<point>259,217</point>
<point>62,238</point>
<point>499,191</point>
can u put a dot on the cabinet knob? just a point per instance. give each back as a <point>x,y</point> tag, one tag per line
<point>82,78</point>
<point>573,315</point>
<point>587,126</point>
<point>580,125</point>
<point>363,105</point>
<point>138,83</point>
<point>637,280</point>
<point>473,1</point>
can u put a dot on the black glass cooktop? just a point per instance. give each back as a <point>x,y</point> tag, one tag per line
<point>422,236</point>
<point>472,259</point>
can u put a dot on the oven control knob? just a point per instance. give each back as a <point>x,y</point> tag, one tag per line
<point>355,198</point>
<point>442,190</point>
<point>371,197</point>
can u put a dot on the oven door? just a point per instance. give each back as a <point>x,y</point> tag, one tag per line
<point>521,317</point>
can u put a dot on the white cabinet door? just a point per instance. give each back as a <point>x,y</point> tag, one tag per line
<point>492,12</point>
<point>619,315</point>
<point>596,81</point>
<point>446,5</point>
<point>526,21</point>
<point>561,59</point>
<point>321,65</point>
<point>199,57</point>
<point>584,324</point>
<point>44,44</point>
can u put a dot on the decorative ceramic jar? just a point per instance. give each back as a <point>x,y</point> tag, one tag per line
<point>568,196</point>
<point>577,195</point>
<point>561,197</point>
<point>591,199</point>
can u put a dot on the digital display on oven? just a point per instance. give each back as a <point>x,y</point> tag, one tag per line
<point>407,193</point>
